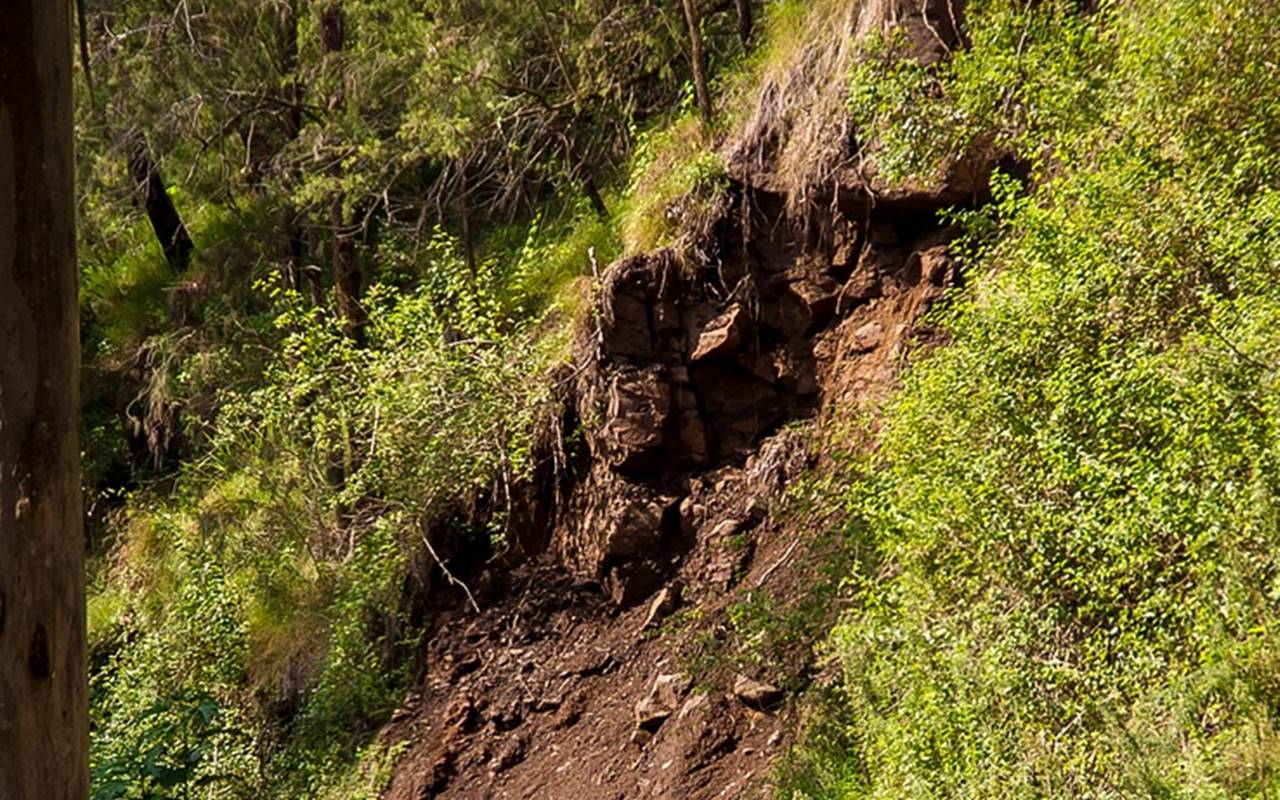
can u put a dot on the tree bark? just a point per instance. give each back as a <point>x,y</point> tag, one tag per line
<point>296,275</point>
<point>745,23</point>
<point>698,61</point>
<point>593,196</point>
<point>346,269</point>
<point>166,223</point>
<point>44,730</point>
<point>347,279</point>
<point>148,182</point>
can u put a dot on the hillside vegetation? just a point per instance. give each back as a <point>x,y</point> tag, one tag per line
<point>1072,504</point>
<point>314,376</point>
<point>330,387</point>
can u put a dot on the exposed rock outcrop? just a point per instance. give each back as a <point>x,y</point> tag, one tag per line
<point>691,364</point>
<point>797,302</point>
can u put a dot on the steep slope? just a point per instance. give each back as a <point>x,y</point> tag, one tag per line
<point>695,382</point>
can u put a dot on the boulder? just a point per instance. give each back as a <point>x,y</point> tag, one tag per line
<point>639,402</point>
<point>611,520</point>
<point>817,293</point>
<point>722,336</point>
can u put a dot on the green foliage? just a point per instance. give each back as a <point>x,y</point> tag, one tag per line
<point>1031,81</point>
<point>260,482</point>
<point>1074,501</point>
<point>175,741</point>
<point>677,183</point>
<point>273,575</point>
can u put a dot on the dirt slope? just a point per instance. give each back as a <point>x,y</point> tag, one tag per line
<point>693,388</point>
<point>538,694</point>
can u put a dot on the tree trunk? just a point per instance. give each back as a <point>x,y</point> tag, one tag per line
<point>346,269</point>
<point>346,274</point>
<point>744,23</point>
<point>159,206</point>
<point>148,182</point>
<point>698,61</point>
<point>594,197</point>
<point>44,729</point>
<point>296,275</point>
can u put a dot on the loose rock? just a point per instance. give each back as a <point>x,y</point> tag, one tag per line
<point>663,603</point>
<point>756,694</point>
<point>722,335</point>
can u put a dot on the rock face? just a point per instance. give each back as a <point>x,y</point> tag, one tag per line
<point>756,694</point>
<point>694,359</point>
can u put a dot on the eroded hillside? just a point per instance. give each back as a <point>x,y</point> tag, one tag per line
<point>698,383</point>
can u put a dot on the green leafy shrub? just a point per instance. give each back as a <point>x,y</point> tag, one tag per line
<point>1074,500</point>
<point>176,743</point>
<point>272,577</point>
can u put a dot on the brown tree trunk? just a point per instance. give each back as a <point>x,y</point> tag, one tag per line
<point>698,61</point>
<point>44,728</point>
<point>296,275</point>
<point>346,269</point>
<point>346,274</point>
<point>166,223</point>
<point>745,23</point>
<point>594,197</point>
<point>148,182</point>
<point>575,161</point>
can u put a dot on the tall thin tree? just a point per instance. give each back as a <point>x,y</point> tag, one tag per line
<point>745,24</point>
<point>698,60</point>
<point>44,731</point>
<point>347,279</point>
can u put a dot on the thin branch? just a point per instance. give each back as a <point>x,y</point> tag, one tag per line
<point>449,575</point>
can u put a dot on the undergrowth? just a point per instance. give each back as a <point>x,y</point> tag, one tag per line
<point>1073,502</point>
<point>270,577</point>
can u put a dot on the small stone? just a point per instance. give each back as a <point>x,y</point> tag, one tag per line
<point>756,694</point>
<point>692,704</point>
<point>544,704</point>
<point>510,754</point>
<point>725,528</point>
<point>650,714</point>
<point>935,266</point>
<point>692,514</point>
<point>868,337</point>
<point>663,603</point>
<point>661,702</point>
